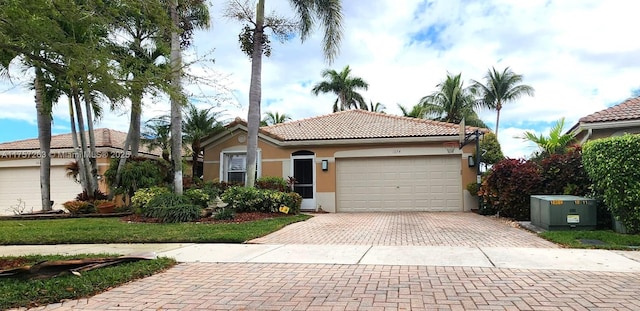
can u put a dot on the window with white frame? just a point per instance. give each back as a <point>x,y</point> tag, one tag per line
<point>234,167</point>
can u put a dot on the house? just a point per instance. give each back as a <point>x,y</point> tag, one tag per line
<point>20,168</point>
<point>613,121</point>
<point>355,160</point>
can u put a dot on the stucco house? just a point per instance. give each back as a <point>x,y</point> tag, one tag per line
<point>20,168</point>
<point>613,121</point>
<point>355,160</point>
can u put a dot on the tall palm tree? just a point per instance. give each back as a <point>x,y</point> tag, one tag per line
<point>186,15</point>
<point>451,103</point>
<point>255,42</point>
<point>555,142</point>
<point>198,124</point>
<point>271,118</point>
<point>344,86</point>
<point>501,88</point>
<point>415,112</point>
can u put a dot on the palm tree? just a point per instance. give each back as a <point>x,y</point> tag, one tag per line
<point>501,88</point>
<point>186,15</point>
<point>198,124</point>
<point>343,85</point>
<point>255,42</point>
<point>157,134</point>
<point>415,112</point>
<point>556,142</point>
<point>378,107</point>
<point>451,103</point>
<point>272,118</point>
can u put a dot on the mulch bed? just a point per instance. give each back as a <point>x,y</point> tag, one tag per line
<point>238,218</point>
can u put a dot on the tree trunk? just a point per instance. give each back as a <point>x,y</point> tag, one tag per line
<point>76,145</point>
<point>498,107</point>
<point>85,169</point>
<point>195,146</point>
<point>255,94</point>
<point>134,129</point>
<point>93,172</point>
<point>44,138</point>
<point>176,101</point>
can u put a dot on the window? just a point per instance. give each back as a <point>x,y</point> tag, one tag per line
<point>234,167</point>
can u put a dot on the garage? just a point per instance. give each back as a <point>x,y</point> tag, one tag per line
<point>392,184</point>
<point>20,179</point>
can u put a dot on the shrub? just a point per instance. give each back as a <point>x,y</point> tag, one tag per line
<point>272,183</point>
<point>168,199</point>
<point>244,199</point>
<point>224,214</point>
<point>509,185</point>
<point>142,196</point>
<point>198,197</point>
<point>613,165</point>
<point>215,188</point>
<point>565,174</point>
<point>175,213</point>
<point>79,207</point>
<point>138,173</point>
<point>97,195</point>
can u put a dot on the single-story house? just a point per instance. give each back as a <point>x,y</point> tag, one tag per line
<point>355,160</point>
<point>614,121</point>
<point>20,168</point>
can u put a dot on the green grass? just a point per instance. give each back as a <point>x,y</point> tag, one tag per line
<point>611,239</point>
<point>30,293</point>
<point>112,230</point>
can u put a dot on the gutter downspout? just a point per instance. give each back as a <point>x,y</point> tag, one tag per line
<point>586,137</point>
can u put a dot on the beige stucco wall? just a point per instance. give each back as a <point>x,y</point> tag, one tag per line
<point>276,161</point>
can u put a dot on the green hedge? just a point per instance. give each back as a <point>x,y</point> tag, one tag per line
<point>613,164</point>
<point>244,199</point>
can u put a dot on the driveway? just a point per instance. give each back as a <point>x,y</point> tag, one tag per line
<point>413,229</point>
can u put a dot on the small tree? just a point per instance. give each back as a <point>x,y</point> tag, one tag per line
<point>613,165</point>
<point>490,144</point>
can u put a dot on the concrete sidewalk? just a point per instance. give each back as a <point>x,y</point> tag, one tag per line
<point>487,257</point>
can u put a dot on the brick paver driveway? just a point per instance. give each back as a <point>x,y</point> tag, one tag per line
<point>287,286</point>
<point>430,229</point>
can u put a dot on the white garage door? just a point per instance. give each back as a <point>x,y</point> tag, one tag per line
<point>24,183</point>
<point>426,183</point>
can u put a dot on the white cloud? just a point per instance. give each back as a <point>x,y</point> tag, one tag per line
<point>580,56</point>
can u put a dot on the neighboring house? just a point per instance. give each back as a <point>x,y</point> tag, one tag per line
<point>20,168</point>
<point>355,160</point>
<point>614,121</point>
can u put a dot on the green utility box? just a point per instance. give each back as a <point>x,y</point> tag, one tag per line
<point>563,212</point>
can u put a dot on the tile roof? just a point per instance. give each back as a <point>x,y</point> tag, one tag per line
<point>104,138</point>
<point>627,110</point>
<point>359,124</point>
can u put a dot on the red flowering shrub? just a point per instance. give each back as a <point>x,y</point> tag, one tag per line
<point>564,174</point>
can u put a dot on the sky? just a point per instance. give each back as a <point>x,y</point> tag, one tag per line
<point>580,56</point>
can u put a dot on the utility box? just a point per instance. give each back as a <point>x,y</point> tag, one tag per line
<point>563,212</point>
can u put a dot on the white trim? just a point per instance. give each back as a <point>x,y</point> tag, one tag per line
<point>237,150</point>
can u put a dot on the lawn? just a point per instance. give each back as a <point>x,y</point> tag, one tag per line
<point>113,230</point>
<point>611,240</point>
<point>31,293</point>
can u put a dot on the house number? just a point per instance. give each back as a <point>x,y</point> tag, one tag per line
<point>396,151</point>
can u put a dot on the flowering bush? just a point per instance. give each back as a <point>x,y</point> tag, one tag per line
<point>244,199</point>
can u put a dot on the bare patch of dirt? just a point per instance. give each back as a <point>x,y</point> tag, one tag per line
<point>10,263</point>
<point>238,218</point>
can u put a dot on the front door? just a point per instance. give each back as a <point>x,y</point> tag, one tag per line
<point>303,167</point>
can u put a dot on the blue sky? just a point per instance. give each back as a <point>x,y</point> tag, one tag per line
<point>578,55</point>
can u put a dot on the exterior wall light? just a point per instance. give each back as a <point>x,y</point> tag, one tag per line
<point>471,161</point>
<point>325,165</point>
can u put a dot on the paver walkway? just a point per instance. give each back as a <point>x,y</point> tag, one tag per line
<point>418,229</point>
<point>233,286</point>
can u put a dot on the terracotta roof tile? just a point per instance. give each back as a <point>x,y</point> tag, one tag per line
<point>627,110</point>
<point>104,138</point>
<point>359,124</point>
